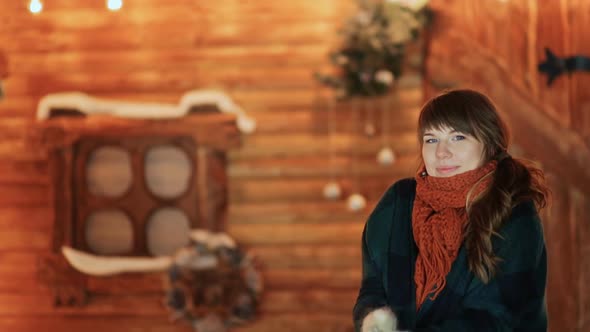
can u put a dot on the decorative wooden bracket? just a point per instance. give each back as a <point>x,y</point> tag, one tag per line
<point>554,66</point>
<point>67,284</point>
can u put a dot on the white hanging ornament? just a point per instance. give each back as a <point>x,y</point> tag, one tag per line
<point>332,190</point>
<point>356,202</point>
<point>386,156</point>
<point>35,6</point>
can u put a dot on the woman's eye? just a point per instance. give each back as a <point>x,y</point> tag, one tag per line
<point>430,140</point>
<point>459,137</point>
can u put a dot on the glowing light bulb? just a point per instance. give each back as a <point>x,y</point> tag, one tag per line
<point>114,5</point>
<point>35,6</point>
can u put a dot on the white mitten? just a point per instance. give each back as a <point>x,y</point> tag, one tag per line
<point>380,320</point>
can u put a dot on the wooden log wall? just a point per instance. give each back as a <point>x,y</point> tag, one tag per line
<point>263,53</point>
<point>495,46</point>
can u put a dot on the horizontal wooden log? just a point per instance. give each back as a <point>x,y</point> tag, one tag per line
<point>26,218</point>
<point>21,150</point>
<point>185,4</point>
<point>303,119</point>
<point>291,234</point>
<point>274,279</point>
<point>130,60</point>
<point>19,239</point>
<point>295,213</point>
<point>256,190</point>
<point>257,102</point>
<point>348,279</point>
<point>320,256</point>
<point>172,80</point>
<point>19,273</point>
<point>24,172</point>
<point>312,145</point>
<point>19,195</point>
<point>83,18</point>
<point>316,166</point>
<point>302,301</point>
<point>169,35</point>
<point>215,130</point>
<point>290,322</point>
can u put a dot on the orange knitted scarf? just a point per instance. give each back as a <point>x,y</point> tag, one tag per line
<point>438,220</point>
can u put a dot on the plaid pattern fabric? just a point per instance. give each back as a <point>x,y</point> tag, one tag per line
<point>514,300</point>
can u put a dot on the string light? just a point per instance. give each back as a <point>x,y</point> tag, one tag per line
<point>35,6</point>
<point>114,5</point>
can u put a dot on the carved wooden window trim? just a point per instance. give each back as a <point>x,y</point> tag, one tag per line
<point>205,137</point>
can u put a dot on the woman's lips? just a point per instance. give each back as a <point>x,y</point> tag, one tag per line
<point>446,170</point>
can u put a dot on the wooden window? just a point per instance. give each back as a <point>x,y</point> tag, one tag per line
<point>135,196</point>
<point>132,186</point>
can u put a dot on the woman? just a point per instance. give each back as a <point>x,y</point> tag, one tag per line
<point>459,247</point>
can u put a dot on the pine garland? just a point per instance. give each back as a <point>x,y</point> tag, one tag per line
<point>373,46</point>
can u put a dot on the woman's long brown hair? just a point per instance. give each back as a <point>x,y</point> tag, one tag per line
<point>514,181</point>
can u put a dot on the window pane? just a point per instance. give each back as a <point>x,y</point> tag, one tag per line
<point>167,230</point>
<point>109,232</point>
<point>167,171</point>
<point>108,171</point>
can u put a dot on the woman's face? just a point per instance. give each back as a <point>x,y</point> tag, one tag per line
<point>447,152</point>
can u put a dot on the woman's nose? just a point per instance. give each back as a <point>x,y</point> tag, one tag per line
<point>442,150</point>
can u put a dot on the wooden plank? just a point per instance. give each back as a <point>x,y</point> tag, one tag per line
<point>166,35</point>
<point>116,306</point>
<point>21,150</point>
<point>24,195</point>
<point>289,234</point>
<point>321,166</point>
<point>325,211</point>
<point>552,26</point>
<point>18,239</point>
<point>128,284</point>
<point>321,256</point>
<point>19,273</point>
<point>343,279</point>
<point>96,15</point>
<point>172,80</point>
<point>310,145</point>
<point>559,228</point>
<point>303,118</point>
<point>269,105</point>
<point>256,190</point>
<point>580,207</point>
<point>17,107</point>
<point>157,80</point>
<point>23,172</point>
<point>579,41</point>
<point>248,7</point>
<point>263,56</point>
<point>291,322</point>
<point>29,218</point>
<point>140,284</point>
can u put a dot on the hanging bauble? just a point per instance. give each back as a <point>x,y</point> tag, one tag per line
<point>384,77</point>
<point>356,202</point>
<point>386,156</point>
<point>332,190</point>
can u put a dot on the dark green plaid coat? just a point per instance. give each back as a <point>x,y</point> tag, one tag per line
<point>512,301</point>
